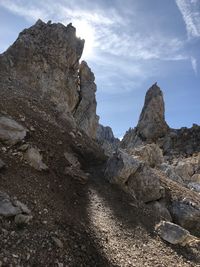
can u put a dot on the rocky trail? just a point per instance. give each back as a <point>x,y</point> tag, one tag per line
<point>96,225</point>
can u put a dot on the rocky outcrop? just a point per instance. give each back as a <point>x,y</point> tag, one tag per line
<point>106,139</point>
<point>42,69</point>
<point>85,111</point>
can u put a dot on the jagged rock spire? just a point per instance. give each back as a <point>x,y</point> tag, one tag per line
<point>152,124</point>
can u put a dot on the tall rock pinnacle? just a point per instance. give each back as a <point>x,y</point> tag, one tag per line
<point>152,124</point>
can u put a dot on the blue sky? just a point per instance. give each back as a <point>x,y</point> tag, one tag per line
<point>130,44</point>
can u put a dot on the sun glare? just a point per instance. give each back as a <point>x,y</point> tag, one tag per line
<point>85,31</point>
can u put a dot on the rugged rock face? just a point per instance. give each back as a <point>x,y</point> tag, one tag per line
<point>85,111</point>
<point>43,65</point>
<point>106,139</point>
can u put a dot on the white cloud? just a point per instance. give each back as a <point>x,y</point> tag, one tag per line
<point>194,64</point>
<point>190,10</point>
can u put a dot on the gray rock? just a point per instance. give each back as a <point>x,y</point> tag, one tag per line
<point>72,159</point>
<point>58,242</point>
<point>134,176</point>
<point>194,186</point>
<point>120,166</point>
<point>22,206</point>
<point>172,233</point>
<point>187,215</point>
<point>34,158</point>
<point>22,219</point>
<point>170,173</point>
<point>11,132</point>
<point>145,185</point>
<point>106,139</point>
<point>151,154</point>
<point>7,209</point>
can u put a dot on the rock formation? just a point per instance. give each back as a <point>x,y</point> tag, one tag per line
<point>85,111</point>
<point>151,124</point>
<point>106,139</point>
<point>49,152</point>
<point>42,66</point>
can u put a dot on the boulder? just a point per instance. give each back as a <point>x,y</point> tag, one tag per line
<point>34,158</point>
<point>151,154</point>
<point>170,173</point>
<point>172,233</point>
<point>145,185</point>
<point>186,214</point>
<point>120,167</point>
<point>185,170</point>
<point>141,181</point>
<point>11,132</point>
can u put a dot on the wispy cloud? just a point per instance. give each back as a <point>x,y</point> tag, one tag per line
<point>194,65</point>
<point>190,10</point>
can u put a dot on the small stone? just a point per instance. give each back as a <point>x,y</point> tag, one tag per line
<point>21,219</point>
<point>59,143</point>
<point>58,242</point>
<point>32,129</point>
<point>72,135</point>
